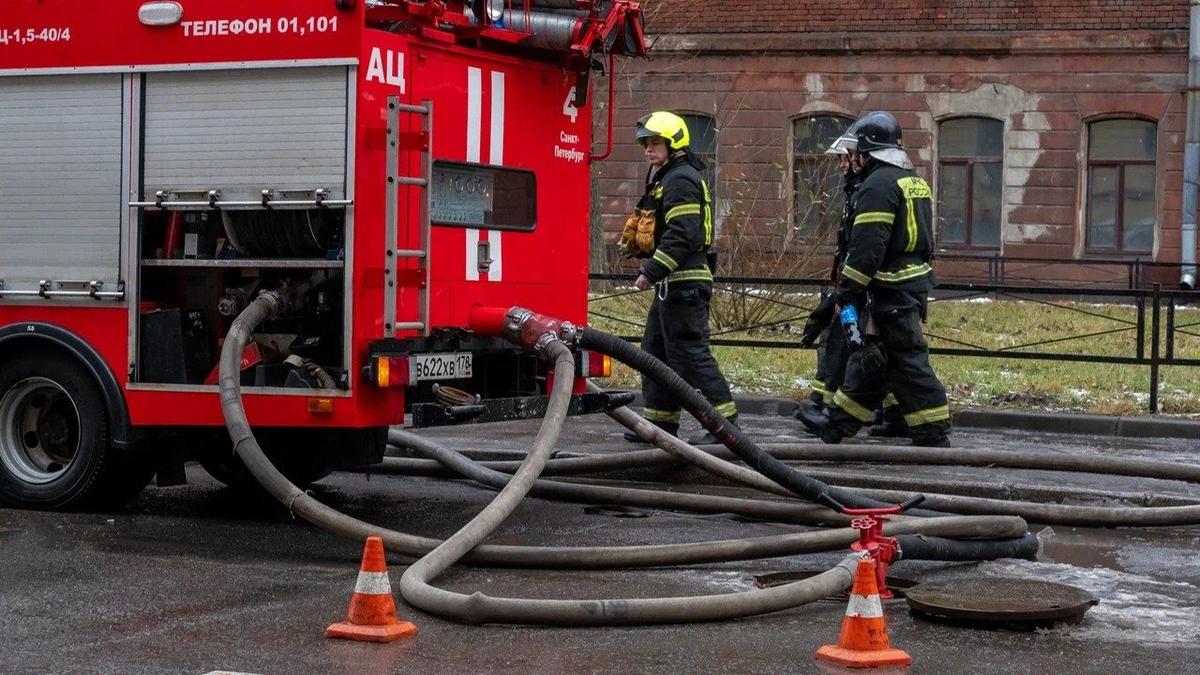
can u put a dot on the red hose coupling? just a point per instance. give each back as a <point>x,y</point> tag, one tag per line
<point>487,320</point>
<point>523,327</point>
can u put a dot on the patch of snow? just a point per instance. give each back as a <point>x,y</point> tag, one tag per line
<point>1133,608</point>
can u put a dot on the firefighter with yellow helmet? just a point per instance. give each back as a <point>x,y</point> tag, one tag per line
<point>672,231</point>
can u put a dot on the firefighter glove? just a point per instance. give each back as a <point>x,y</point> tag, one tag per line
<point>817,322</point>
<point>645,230</point>
<point>849,320</point>
<point>637,237</point>
<point>872,358</point>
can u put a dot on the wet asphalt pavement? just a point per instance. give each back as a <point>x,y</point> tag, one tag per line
<point>197,578</point>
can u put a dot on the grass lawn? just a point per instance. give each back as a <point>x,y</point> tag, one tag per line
<point>970,381</point>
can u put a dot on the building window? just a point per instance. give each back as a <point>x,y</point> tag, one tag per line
<point>703,132</point>
<point>1120,198</point>
<point>817,197</point>
<point>970,182</point>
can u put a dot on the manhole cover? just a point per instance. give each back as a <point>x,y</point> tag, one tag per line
<point>999,601</point>
<point>899,585</point>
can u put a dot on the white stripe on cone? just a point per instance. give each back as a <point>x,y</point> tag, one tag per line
<point>865,607</point>
<point>373,583</point>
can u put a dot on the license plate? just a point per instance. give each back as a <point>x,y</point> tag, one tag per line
<point>447,366</point>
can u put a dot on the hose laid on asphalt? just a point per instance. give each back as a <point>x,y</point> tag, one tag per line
<point>476,608</point>
<point>890,454</point>
<point>790,511</point>
<point>586,492</point>
<point>479,608</point>
<point>1050,514</point>
<point>715,423</point>
<point>690,454</point>
<point>574,492</point>
<point>304,506</point>
<point>1031,492</point>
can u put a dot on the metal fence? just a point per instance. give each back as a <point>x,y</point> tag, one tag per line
<point>1155,324</point>
<point>1007,270</point>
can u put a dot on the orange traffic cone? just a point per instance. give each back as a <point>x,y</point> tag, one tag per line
<point>864,639</point>
<point>372,613</point>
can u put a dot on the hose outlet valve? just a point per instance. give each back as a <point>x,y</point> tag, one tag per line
<point>871,540</point>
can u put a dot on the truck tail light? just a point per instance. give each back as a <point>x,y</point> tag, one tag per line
<point>595,364</point>
<point>320,406</point>
<point>389,371</point>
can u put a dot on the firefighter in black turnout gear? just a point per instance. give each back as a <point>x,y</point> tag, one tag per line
<point>833,351</point>
<point>882,295</point>
<point>672,230</point>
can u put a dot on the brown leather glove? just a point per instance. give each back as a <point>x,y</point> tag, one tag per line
<point>628,243</point>
<point>645,230</point>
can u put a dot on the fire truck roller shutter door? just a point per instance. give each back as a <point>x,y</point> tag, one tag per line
<point>245,131</point>
<point>60,179</point>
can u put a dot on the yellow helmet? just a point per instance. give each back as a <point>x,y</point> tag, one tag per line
<point>666,125</point>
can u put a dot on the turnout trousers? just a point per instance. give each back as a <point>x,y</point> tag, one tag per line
<point>677,334</point>
<point>831,365</point>
<point>895,360</point>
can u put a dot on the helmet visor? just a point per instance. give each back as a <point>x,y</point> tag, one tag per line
<point>843,145</point>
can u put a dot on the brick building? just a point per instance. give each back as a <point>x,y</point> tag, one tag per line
<point>1047,128</point>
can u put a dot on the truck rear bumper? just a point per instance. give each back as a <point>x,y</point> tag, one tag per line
<point>508,409</point>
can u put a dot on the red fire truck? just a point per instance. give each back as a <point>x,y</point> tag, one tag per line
<point>163,162</point>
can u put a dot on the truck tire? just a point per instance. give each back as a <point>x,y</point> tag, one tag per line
<point>53,433</point>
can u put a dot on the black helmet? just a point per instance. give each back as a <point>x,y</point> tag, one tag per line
<point>876,131</point>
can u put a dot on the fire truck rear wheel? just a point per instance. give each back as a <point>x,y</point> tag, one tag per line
<point>53,433</point>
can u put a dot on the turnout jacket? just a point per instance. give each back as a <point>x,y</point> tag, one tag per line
<point>891,236</point>
<point>683,222</point>
<point>850,183</point>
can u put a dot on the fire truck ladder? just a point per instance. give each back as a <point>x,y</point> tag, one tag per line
<point>393,277</point>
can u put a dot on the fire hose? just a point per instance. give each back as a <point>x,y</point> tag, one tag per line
<point>960,457</point>
<point>465,544</point>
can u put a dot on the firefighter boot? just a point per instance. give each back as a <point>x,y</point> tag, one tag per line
<point>932,440</point>
<point>817,400</point>
<point>671,428</point>
<point>822,425</point>
<point>889,423</point>
<point>932,435</point>
<point>708,438</point>
<point>809,413</point>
